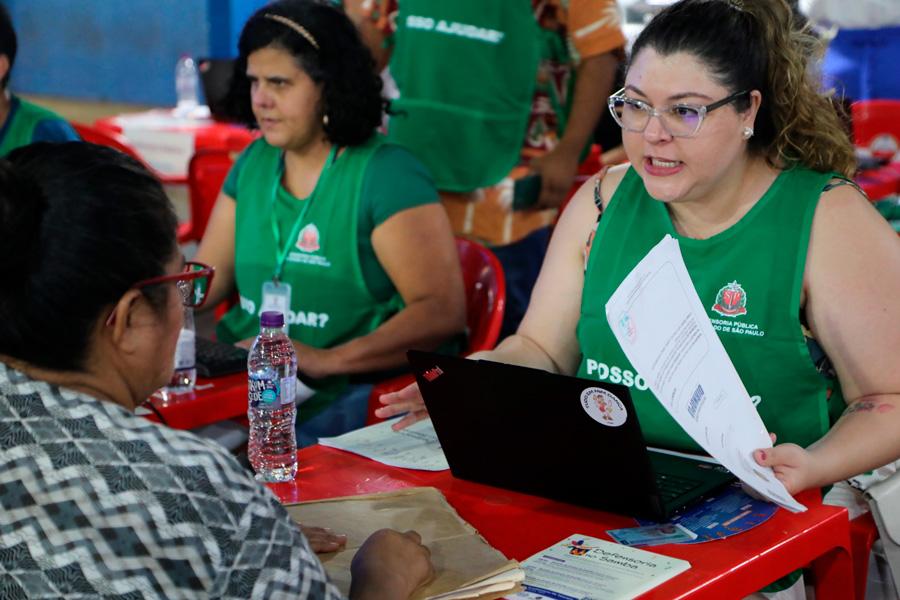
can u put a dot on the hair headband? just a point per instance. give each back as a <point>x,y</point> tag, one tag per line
<point>296,27</point>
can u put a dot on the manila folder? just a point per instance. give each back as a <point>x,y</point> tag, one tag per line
<point>465,565</point>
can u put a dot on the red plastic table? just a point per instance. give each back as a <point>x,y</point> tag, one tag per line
<point>520,525</point>
<point>208,134</point>
<point>213,400</point>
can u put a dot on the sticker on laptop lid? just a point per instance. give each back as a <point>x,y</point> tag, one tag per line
<point>604,407</point>
<point>432,374</point>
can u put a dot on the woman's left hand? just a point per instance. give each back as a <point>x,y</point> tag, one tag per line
<point>794,466</point>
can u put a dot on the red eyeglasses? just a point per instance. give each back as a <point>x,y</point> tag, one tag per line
<point>193,282</point>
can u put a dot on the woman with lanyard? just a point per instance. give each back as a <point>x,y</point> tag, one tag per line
<point>325,222</point>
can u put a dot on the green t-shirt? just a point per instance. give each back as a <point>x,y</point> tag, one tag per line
<point>394,181</point>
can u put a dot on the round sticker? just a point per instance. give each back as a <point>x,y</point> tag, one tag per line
<point>604,407</point>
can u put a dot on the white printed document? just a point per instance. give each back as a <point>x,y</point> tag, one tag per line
<point>673,346</point>
<point>415,447</point>
<point>582,567</point>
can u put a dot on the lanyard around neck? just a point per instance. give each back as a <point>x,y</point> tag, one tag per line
<point>282,251</point>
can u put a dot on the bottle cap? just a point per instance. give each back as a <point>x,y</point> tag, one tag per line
<point>271,318</point>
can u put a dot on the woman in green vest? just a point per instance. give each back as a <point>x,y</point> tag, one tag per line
<point>22,122</point>
<point>324,221</point>
<point>736,154</point>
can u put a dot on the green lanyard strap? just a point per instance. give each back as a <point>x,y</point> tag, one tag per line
<point>281,252</point>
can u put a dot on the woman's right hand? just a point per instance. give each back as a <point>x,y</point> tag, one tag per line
<point>390,565</point>
<point>408,400</point>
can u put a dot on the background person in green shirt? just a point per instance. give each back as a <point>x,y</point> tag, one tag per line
<point>324,221</point>
<point>22,122</point>
<point>736,154</point>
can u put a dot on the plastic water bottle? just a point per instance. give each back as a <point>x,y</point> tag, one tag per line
<point>187,84</point>
<point>272,372</point>
<point>185,374</point>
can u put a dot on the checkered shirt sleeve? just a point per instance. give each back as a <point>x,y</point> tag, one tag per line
<point>97,502</point>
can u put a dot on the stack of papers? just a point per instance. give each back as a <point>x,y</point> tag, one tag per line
<point>415,447</point>
<point>582,567</point>
<point>465,565</point>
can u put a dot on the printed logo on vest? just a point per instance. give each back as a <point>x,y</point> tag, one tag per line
<point>604,407</point>
<point>731,301</point>
<point>308,239</point>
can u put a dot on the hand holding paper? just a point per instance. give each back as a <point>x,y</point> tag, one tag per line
<point>792,464</point>
<point>675,349</point>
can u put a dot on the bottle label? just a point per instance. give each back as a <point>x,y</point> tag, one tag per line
<point>185,353</point>
<point>263,392</point>
<point>271,393</point>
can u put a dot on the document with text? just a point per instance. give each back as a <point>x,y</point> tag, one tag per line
<point>415,447</point>
<point>673,346</point>
<point>582,567</point>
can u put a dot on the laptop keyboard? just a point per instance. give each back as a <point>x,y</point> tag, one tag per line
<point>672,486</point>
<point>215,359</point>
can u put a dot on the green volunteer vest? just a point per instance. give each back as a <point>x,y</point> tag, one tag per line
<point>748,277</point>
<point>330,302</point>
<point>23,118</point>
<point>466,73</point>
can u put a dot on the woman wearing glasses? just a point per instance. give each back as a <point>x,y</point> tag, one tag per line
<point>323,221</point>
<point>735,154</point>
<point>96,500</point>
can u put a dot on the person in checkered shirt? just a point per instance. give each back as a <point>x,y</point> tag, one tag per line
<point>96,501</point>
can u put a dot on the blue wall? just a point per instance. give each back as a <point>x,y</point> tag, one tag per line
<point>118,50</point>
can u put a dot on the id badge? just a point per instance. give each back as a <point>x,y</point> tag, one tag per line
<point>277,296</point>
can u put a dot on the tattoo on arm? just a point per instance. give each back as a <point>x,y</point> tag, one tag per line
<point>868,406</point>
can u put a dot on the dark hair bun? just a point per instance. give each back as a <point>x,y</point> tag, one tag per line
<point>22,206</point>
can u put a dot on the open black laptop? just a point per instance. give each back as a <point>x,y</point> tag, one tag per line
<point>560,437</point>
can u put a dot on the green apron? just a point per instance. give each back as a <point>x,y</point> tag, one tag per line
<point>330,302</point>
<point>466,72</point>
<point>23,117</point>
<point>748,277</point>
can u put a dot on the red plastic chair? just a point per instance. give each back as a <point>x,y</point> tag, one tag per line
<point>485,286</point>
<point>92,134</point>
<point>863,534</point>
<point>876,127</point>
<point>206,174</point>
<point>876,121</point>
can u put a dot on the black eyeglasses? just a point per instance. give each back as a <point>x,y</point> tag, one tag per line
<point>680,120</point>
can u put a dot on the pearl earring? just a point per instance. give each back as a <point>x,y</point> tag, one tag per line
<point>325,120</point>
<point>748,133</point>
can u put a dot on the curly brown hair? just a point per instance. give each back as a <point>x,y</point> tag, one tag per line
<point>756,45</point>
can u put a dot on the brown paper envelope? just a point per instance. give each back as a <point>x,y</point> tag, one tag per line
<point>460,556</point>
